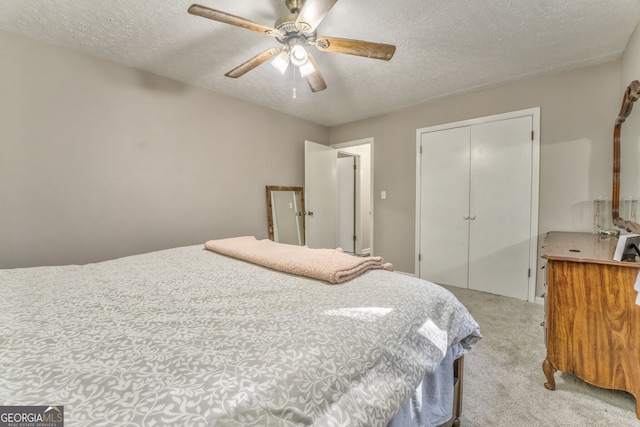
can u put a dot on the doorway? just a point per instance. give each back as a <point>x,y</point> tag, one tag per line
<point>322,189</point>
<point>347,205</point>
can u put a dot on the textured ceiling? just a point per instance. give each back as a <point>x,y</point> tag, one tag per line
<point>443,47</point>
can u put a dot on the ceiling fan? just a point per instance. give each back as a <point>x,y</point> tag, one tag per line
<point>296,31</point>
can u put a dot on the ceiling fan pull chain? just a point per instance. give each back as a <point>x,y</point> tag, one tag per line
<point>294,82</point>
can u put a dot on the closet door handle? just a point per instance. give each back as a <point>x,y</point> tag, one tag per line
<point>466,217</point>
<point>472,218</point>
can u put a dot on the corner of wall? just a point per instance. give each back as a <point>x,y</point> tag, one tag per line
<point>630,67</point>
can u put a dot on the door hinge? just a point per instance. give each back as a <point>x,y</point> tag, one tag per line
<point>355,167</point>
<point>419,257</point>
<point>354,238</point>
<point>532,133</point>
<point>421,149</point>
<point>529,273</point>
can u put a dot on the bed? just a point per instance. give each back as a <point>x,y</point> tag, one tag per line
<point>187,336</point>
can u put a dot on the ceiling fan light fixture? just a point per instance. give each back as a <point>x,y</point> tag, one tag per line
<point>281,62</point>
<point>299,55</point>
<point>307,69</point>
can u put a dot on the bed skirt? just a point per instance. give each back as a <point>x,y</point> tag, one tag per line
<point>438,399</point>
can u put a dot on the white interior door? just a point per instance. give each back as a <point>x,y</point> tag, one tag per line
<point>320,194</point>
<point>444,200</point>
<point>500,202</point>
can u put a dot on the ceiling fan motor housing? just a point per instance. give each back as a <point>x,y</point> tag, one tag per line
<point>287,26</point>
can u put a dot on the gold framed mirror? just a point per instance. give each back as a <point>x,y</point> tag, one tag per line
<point>285,214</point>
<point>631,95</point>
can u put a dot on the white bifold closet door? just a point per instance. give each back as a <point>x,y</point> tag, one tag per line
<point>444,241</point>
<point>475,212</point>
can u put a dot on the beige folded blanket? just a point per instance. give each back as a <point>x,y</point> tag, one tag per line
<point>330,265</point>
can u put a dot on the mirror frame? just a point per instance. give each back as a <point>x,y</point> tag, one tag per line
<point>631,95</point>
<point>269,189</point>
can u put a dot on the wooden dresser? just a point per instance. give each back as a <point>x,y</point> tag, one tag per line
<point>591,317</point>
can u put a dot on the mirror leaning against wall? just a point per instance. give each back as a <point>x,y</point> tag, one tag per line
<point>626,157</point>
<point>285,214</point>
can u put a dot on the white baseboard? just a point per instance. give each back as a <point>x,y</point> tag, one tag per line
<point>540,300</point>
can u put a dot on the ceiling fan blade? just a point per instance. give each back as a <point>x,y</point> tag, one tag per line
<point>356,47</point>
<point>259,59</point>
<point>315,80</point>
<point>312,13</point>
<point>227,18</point>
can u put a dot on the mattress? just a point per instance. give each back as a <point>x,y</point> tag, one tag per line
<point>186,336</point>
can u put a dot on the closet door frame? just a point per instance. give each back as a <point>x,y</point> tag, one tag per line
<point>534,113</point>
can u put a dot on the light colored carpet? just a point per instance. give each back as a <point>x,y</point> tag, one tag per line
<point>503,379</point>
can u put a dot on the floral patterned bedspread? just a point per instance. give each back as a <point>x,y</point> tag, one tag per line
<point>186,336</point>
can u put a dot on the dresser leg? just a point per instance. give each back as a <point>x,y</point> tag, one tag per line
<point>549,370</point>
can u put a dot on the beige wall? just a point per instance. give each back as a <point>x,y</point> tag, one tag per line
<point>631,61</point>
<point>577,111</point>
<point>98,160</point>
